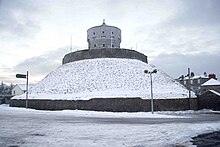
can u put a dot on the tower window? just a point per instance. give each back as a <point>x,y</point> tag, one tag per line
<point>103,32</point>
<point>94,45</point>
<point>103,45</point>
<point>93,33</point>
<point>112,33</point>
<point>113,45</point>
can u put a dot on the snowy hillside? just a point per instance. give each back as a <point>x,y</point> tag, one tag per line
<point>105,78</point>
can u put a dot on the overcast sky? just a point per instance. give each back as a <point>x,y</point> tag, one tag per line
<point>174,34</point>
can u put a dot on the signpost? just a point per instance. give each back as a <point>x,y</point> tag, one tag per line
<point>24,77</point>
<point>20,76</point>
<point>151,84</point>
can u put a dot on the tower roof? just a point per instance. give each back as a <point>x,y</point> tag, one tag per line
<point>103,25</point>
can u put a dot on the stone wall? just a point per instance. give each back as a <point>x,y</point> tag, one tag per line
<point>211,87</point>
<point>209,100</point>
<point>104,53</point>
<point>109,104</point>
<point>5,99</point>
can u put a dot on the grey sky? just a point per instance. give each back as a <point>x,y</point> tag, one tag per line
<point>174,34</point>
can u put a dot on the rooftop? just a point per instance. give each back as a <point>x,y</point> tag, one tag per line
<point>23,86</point>
<point>211,82</point>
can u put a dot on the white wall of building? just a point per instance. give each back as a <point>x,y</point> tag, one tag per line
<point>17,90</point>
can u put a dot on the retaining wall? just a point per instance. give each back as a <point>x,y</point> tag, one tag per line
<point>109,104</point>
<point>5,99</point>
<point>209,100</point>
<point>104,53</point>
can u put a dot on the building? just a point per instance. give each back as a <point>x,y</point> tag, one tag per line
<point>211,84</point>
<point>210,95</point>
<point>210,99</point>
<point>103,42</point>
<point>19,89</point>
<point>195,82</point>
<point>106,77</point>
<point>103,36</point>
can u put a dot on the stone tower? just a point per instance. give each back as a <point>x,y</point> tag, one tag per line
<point>103,36</point>
<point>103,42</point>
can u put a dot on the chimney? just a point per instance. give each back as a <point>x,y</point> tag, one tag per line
<point>212,76</point>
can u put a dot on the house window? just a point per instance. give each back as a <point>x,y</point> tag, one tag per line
<point>93,33</point>
<point>94,45</point>
<point>184,82</point>
<point>199,81</point>
<point>14,92</point>
<point>103,45</point>
<point>112,33</point>
<point>191,81</point>
<point>112,45</point>
<point>103,32</point>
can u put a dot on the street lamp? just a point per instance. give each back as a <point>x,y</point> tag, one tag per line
<point>151,85</point>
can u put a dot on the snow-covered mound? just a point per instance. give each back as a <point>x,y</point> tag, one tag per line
<point>105,78</point>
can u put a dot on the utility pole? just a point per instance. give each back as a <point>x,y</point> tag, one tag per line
<point>110,38</point>
<point>189,74</point>
<point>27,91</point>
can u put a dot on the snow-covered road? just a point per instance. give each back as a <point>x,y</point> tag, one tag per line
<point>26,127</point>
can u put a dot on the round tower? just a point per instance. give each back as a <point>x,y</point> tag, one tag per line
<point>103,36</point>
<point>103,42</point>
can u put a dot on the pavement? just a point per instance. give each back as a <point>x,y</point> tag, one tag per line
<point>50,128</point>
<point>207,140</point>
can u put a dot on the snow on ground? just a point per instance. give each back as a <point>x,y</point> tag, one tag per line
<point>82,113</point>
<point>62,128</point>
<point>187,112</point>
<point>105,78</point>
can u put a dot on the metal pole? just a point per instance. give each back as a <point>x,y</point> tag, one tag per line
<point>189,87</point>
<point>152,102</point>
<point>111,38</point>
<point>27,91</point>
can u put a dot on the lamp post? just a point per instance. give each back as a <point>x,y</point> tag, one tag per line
<point>151,85</point>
